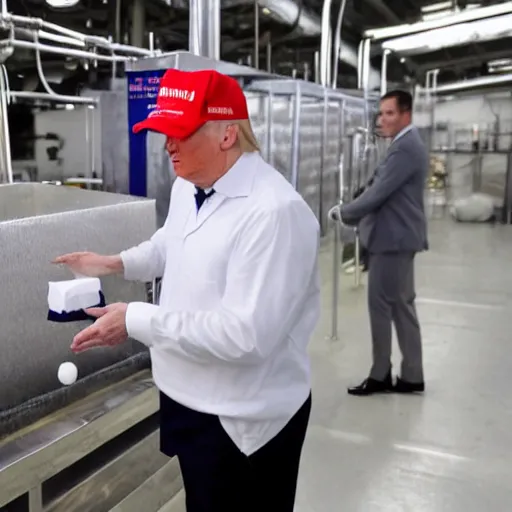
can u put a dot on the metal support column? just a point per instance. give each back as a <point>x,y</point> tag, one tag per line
<point>204,28</point>
<point>295,154</point>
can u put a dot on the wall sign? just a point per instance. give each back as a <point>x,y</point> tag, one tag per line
<point>142,93</point>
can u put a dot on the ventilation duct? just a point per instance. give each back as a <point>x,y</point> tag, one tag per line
<point>474,83</point>
<point>457,35</point>
<point>308,24</point>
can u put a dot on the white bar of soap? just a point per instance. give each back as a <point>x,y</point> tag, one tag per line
<point>74,295</point>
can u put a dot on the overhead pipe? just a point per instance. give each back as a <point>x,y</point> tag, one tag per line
<point>16,43</point>
<point>5,150</point>
<point>138,25</point>
<point>317,67</point>
<point>466,15</point>
<point>384,73</point>
<point>58,98</point>
<point>256,35</point>
<point>325,43</point>
<point>204,28</point>
<point>12,21</point>
<point>360,63</point>
<point>337,43</point>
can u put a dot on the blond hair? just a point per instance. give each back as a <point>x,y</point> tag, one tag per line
<point>246,137</point>
<point>247,141</point>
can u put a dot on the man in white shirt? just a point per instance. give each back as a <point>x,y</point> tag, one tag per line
<point>240,300</point>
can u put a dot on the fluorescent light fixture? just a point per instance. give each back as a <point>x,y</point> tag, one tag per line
<point>460,17</point>
<point>464,33</point>
<point>499,62</point>
<point>58,4</point>
<point>500,69</point>
<point>475,83</point>
<point>440,6</point>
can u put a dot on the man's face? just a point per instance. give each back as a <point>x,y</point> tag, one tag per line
<point>193,158</point>
<point>391,119</point>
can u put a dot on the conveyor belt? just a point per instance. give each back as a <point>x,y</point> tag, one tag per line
<point>16,418</point>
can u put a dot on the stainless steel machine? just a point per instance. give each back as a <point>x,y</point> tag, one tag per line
<point>66,448</point>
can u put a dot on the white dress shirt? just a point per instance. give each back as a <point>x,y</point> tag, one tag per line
<point>240,300</point>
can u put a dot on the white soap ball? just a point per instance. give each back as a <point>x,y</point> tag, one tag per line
<point>68,373</point>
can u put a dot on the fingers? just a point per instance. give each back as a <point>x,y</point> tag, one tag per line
<point>68,259</point>
<point>87,345</point>
<point>97,312</point>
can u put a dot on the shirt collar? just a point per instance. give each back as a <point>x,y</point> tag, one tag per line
<point>402,132</point>
<point>238,181</point>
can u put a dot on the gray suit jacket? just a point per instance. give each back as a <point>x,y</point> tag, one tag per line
<point>391,212</point>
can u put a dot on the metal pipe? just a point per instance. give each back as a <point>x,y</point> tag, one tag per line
<point>306,71</point>
<point>215,30</point>
<point>118,16</point>
<point>256,35</point>
<point>317,67</point>
<point>152,42</point>
<point>323,160</point>
<point>38,23</point>
<point>53,97</point>
<point>384,73</point>
<point>56,38</point>
<point>295,156</point>
<point>360,63</point>
<point>433,140</point>
<point>204,28</point>
<point>6,146</point>
<point>87,166</point>
<point>325,46</point>
<point>14,21</point>
<point>4,8</point>
<point>270,131</point>
<point>138,20</point>
<point>6,43</point>
<point>269,56</point>
<point>337,43</point>
<point>336,261</point>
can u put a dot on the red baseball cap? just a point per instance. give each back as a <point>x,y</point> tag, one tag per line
<point>188,99</point>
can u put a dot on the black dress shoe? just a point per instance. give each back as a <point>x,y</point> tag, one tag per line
<point>372,386</point>
<point>403,386</point>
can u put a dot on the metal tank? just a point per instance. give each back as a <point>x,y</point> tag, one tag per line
<point>37,223</point>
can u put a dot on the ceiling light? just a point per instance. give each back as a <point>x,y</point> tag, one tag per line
<point>453,19</point>
<point>488,81</point>
<point>488,29</point>
<point>62,3</point>
<point>437,7</point>
<point>265,11</point>
<point>500,69</point>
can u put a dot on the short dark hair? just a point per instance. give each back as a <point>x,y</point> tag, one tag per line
<point>403,99</point>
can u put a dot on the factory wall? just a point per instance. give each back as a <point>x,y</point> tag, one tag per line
<point>76,155</point>
<point>456,118</point>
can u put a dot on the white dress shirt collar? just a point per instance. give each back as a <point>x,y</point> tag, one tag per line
<point>238,181</point>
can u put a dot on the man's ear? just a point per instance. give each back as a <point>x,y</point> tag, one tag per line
<point>230,137</point>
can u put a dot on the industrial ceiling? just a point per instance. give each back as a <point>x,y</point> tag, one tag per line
<point>289,35</point>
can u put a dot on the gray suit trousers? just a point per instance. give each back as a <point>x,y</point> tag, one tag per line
<point>391,297</point>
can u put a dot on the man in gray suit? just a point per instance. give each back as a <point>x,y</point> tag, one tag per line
<point>392,226</point>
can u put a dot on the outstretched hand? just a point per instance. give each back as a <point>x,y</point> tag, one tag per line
<point>107,331</point>
<point>90,264</point>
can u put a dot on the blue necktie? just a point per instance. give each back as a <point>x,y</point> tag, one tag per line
<point>201,196</point>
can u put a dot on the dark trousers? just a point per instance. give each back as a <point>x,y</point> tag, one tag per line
<point>217,476</point>
<point>391,300</point>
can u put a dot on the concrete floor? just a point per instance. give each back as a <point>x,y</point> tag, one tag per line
<point>446,451</point>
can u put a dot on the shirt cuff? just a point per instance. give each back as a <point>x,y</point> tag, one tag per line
<point>138,321</point>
